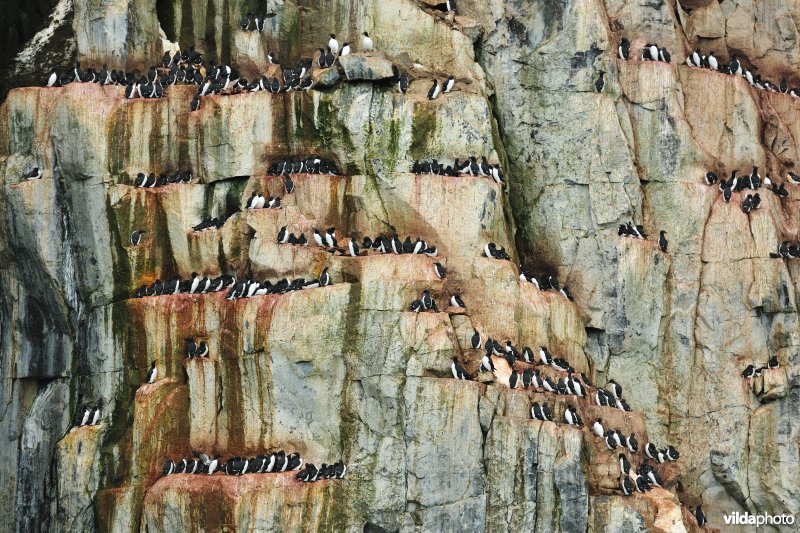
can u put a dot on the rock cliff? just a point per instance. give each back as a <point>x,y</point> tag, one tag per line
<point>346,371</point>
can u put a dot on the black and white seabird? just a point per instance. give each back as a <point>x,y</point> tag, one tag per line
<point>458,370</point>
<point>427,300</point>
<point>333,44</point>
<point>476,340</point>
<point>696,60</point>
<point>672,453</point>
<point>600,82</point>
<point>448,84</point>
<point>614,388</point>
<point>624,464</point>
<point>366,43</point>
<point>34,174</point>
<point>611,442</point>
<point>713,64</point>
<point>651,450</point>
<point>456,301</point>
<point>352,248</point>
<point>544,356</point>
<point>652,51</point>
<point>201,350</point>
<point>439,270</point>
<point>345,51</point>
<point>626,485</point>
<point>330,238</point>
<point>700,516</point>
<point>283,235</point>
<point>324,278</point>
<point>402,83</point>
<point>245,22</point>
<point>136,237</point>
<point>749,372</point>
<point>624,49</point>
<point>710,178</point>
<point>662,241</point>
<point>597,428</point>
<point>487,364</point>
<point>152,374</point>
<point>434,90</point>
<point>631,443</point>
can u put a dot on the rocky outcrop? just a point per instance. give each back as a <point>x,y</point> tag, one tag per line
<point>346,371</point>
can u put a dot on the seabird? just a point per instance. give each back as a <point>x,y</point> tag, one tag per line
<point>544,356</point>
<point>700,516</point>
<point>662,241</point>
<point>439,270</point>
<point>458,370</point>
<point>624,464</point>
<point>748,372</point>
<point>773,362</point>
<point>631,443</point>
<point>345,51</point>
<point>95,416</point>
<point>624,49</point>
<point>136,237</point>
<point>456,301</point>
<point>710,178</point>
<point>366,43</point>
<point>735,67</point>
<point>651,450</point>
<point>86,414</point>
<point>598,429</point>
<point>333,44</point>
<point>402,83</point>
<point>330,238</point>
<point>696,58</point>
<point>434,90</point>
<point>34,174</point>
<point>672,453</point>
<point>616,389</point>
<point>600,82</point>
<point>245,22</point>
<point>600,398</point>
<point>152,374</point>
<point>324,278</point>
<point>611,442</point>
<point>712,61</point>
<point>476,340</point>
<point>448,84</point>
<point>283,235</point>
<point>626,485</point>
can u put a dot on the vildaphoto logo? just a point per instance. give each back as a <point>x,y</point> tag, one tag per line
<point>764,519</point>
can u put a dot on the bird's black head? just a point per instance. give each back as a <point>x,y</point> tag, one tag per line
<point>662,232</point>
<point>366,34</point>
<point>333,36</point>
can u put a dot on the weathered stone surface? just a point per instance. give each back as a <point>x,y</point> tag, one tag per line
<point>346,371</point>
<point>121,34</point>
<point>366,67</point>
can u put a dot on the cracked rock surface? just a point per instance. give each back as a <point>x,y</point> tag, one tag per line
<point>345,371</point>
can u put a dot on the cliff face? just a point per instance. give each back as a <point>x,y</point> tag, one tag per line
<point>345,371</point>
